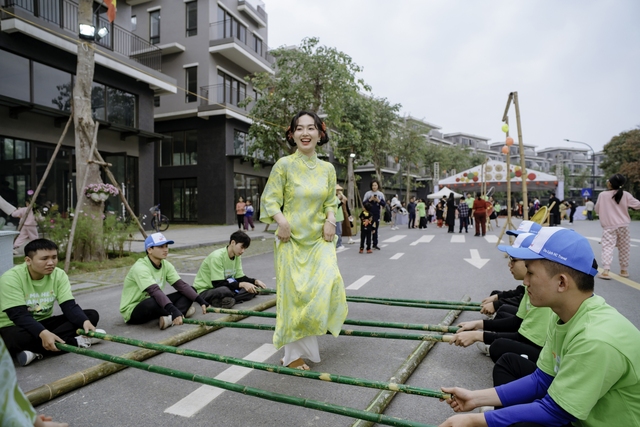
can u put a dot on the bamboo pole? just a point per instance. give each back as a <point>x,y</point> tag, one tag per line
<point>383,398</point>
<point>72,382</point>
<point>250,391</point>
<point>418,305</point>
<point>396,325</point>
<point>351,332</point>
<point>74,223</point>
<point>523,166</point>
<point>46,173</point>
<point>323,376</point>
<point>417,301</point>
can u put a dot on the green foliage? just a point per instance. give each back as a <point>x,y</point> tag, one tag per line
<point>623,156</point>
<point>410,146</point>
<point>310,77</point>
<point>454,157</point>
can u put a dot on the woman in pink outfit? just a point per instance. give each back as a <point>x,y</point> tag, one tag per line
<point>613,209</point>
<point>29,230</point>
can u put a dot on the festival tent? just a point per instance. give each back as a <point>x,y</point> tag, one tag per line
<point>495,175</point>
<point>444,192</point>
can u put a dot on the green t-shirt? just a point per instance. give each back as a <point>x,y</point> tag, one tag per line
<point>217,266</point>
<point>422,209</point>
<point>142,275</point>
<point>15,409</point>
<point>338,213</point>
<point>595,361</point>
<point>535,321</point>
<point>18,288</point>
<point>469,202</point>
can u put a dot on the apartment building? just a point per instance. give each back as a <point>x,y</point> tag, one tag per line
<point>38,46</point>
<point>580,163</point>
<point>209,48</point>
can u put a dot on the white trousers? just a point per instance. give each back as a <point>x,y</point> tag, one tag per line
<point>306,347</point>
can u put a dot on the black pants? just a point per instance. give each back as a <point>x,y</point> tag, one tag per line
<point>412,220</point>
<point>506,310</point>
<point>149,309</point>
<point>214,296</point>
<point>17,339</point>
<point>464,223</point>
<point>374,237</point>
<point>366,235</point>
<point>502,346</point>
<point>240,221</point>
<point>573,211</point>
<point>423,222</point>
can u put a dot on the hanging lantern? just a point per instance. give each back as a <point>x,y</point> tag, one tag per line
<point>505,150</point>
<point>509,141</point>
<point>505,128</point>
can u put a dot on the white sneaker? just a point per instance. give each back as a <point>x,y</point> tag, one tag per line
<point>190,312</point>
<point>83,342</point>
<point>26,357</point>
<point>484,348</point>
<point>165,322</point>
<point>95,341</point>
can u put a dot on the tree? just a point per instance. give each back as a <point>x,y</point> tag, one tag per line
<point>92,248</point>
<point>450,158</point>
<point>410,146</point>
<point>310,77</point>
<point>623,156</point>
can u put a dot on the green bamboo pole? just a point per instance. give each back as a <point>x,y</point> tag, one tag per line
<point>416,301</point>
<point>383,398</point>
<point>50,391</point>
<point>340,379</point>
<point>351,332</point>
<point>251,391</point>
<point>418,305</point>
<point>395,325</point>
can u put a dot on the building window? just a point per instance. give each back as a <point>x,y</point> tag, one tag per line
<point>154,27</point>
<point>257,45</point>
<point>191,83</point>
<point>192,19</point>
<point>239,143</point>
<point>156,101</point>
<point>134,22</point>
<point>15,76</point>
<point>228,26</point>
<point>179,199</point>
<point>230,90</point>
<point>180,150</point>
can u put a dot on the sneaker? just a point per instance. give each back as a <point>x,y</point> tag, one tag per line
<point>26,357</point>
<point>190,312</point>
<point>83,341</point>
<point>228,302</point>
<point>95,341</point>
<point>361,250</point>
<point>369,251</point>
<point>376,247</point>
<point>484,348</point>
<point>165,322</point>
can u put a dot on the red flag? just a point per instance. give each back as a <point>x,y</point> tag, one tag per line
<point>111,12</point>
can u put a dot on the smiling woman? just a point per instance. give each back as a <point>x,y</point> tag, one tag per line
<point>300,197</point>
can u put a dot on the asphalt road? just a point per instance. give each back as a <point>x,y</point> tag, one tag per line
<point>410,265</point>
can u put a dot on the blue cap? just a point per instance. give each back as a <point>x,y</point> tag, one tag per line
<point>526,227</point>
<point>560,245</point>
<point>522,241</point>
<point>156,239</point>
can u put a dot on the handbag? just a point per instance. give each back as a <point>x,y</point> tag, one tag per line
<point>584,212</point>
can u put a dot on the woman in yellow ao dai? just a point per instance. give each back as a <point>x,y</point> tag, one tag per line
<point>300,197</point>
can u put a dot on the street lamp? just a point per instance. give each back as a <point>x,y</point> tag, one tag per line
<point>593,165</point>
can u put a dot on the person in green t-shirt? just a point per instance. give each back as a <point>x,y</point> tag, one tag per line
<point>27,295</point>
<point>220,279</point>
<point>143,299</point>
<point>422,214</point>
<point>15,408</point>
<point>588,373</point>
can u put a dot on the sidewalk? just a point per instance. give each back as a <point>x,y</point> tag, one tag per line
<point>197,240</point>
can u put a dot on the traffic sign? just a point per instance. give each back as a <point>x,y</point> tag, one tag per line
<point>586,193</point>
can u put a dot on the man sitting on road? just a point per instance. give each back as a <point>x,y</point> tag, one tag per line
<point>588,372</point>
<point>220,279</point>
<point>143,299</point>
<point>27,294</point>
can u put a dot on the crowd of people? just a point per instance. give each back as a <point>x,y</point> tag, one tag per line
<point>562,355</point>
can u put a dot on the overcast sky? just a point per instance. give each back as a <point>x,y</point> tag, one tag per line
<point>574,63</point>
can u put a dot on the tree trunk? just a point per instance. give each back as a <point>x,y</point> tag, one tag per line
<point>89,244</point>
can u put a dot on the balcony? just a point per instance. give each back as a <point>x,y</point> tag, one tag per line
<point>256,13</point>
<point>252,56</point>
<point>220,99</point>
<point>63,14</point>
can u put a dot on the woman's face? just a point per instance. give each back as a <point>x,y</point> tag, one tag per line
<point>306,135</point>
<point>374,186</point>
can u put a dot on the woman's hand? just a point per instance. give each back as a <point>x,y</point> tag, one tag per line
<point>284,230</point>
<point>328,231</point>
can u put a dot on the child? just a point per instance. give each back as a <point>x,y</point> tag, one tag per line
<point>248,216</point>
<point>367,227</point>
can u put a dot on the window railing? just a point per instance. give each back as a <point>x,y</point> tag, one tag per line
<point>64,13</point>
<point>223,94</point>
<point>224,29</point>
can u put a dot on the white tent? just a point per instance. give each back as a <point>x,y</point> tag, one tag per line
<point>444,192</point>
<point>495,175</point>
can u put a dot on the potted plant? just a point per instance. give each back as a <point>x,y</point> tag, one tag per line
<point>100,192</point>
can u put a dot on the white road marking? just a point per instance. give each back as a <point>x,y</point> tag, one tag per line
<point>341,249</point>
<point>178,256</point>
<point>491,238</point>
<point>360,282</point>
<point>196,258</point>
<point>187,274</point>
<point>475,259</point>
<point>457,239</point>
<point>194,402</point>
<point>395,238</point>
<point>424,239</point>
<point>397,256</point>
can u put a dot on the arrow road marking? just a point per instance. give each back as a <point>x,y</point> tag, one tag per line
<point>475,259</point>
<point>424,239</point>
